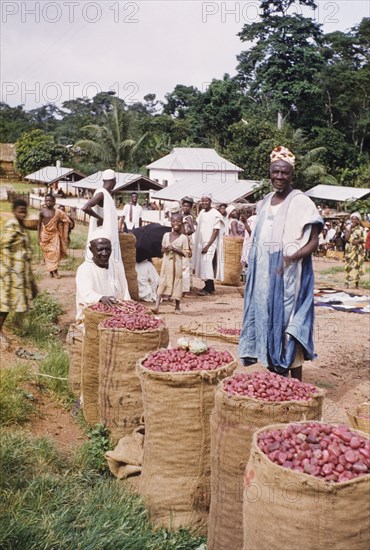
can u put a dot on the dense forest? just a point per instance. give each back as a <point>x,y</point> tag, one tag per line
<point>294,85</point>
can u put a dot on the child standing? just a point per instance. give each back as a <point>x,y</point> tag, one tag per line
<point>175,247</point>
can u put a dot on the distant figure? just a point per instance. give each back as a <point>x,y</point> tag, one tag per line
<point>154,206</point>
<point>249,225</point>
<point>188,229</point>
<point>102,211</point>
<point>222,210</point>
<point>207,246</point>
<point>131,215</point>
<point>354,250</point>
<point>17,283</point>
<point>61,193</point>
<point>235,227</point>
<point>53,235</point>
<point>71,222</point>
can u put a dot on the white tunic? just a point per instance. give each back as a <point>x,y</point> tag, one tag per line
<point>135,211</point>
<point>93,282</point>
<point>203,263</point>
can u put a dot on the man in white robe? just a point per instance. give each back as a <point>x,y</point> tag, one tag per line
<point>207,260</point>
<point>102,211</point>
<point>95,278</point>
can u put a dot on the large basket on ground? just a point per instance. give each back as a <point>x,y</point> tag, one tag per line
<point>234,420</point>
<point>175,481</point>
<point>286,509</point>
<point>120,398</point>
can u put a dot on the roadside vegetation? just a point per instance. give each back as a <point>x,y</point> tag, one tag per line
<point>48,501</point>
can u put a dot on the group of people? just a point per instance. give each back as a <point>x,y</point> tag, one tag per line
<point>279,240</point>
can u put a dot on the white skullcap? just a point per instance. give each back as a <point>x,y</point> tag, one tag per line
<point>230,209</point>
<point>108,175</point>
<point>100,233</point>
<point>206,196</point>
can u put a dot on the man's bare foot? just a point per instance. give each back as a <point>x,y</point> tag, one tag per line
<point>155,310</point>
<point>177,311</point>
<point>52,274</point>
<point>346,285</point>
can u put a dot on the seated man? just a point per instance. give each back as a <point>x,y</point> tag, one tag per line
<point>95,280</point>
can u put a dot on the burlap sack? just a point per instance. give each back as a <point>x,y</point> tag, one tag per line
<point>127,457</point>
<point>287,510</point>
<point>74,342</point>
<point>232,252</point>
<point>175,481</point>
<point>120,399</point>
<point>90,365</point>
<point>233,423</point>
<point>127,242</point>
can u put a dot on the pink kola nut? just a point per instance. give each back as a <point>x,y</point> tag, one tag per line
<point>179,360</point>
<point>332,453</point>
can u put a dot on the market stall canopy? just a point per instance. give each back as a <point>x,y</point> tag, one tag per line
<point>125,182</point>
<point>51,174</point>
<point>337,193</point>
<point>221,192</point>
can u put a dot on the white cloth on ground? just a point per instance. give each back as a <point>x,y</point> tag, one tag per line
<point>147,279</point>
<point>110,225</point>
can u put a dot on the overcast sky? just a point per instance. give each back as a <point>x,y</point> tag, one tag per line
<point>53,51</point>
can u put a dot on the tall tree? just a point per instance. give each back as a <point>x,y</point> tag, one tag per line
<point>111,142</point>
<point>214,111</point>
<point>36,149</point>
<point>345,83</point>
<point>13,122</point>
<point>179,101</point>
<point>283,59</point>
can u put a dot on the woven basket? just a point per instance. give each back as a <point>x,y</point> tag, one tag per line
<point>356,421</point>
<point>31,224</point>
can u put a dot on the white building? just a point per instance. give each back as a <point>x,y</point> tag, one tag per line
<point>193,165</point>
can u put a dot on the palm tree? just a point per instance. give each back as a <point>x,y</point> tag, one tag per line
<point>111,143</point>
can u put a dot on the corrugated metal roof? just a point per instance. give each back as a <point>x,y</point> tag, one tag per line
<point>337,193</point>
<point>221,191</point>
<point>49,174</point>
<point>194,158</point>
<point>124,179</point>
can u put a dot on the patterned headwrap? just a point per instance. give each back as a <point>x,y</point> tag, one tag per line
<point>282,153</point>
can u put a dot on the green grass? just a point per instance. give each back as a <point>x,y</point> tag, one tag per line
<point>91,455</point>
<point>38,324</point>
<point>16,404</point>
<point>49,504</point>
<point>19,186</point>
<point>53,373</point>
